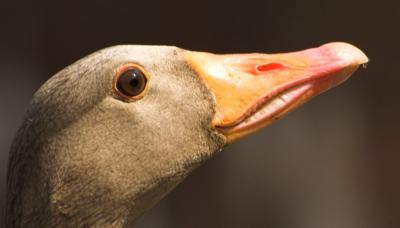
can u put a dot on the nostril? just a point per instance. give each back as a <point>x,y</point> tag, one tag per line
<point>269,66</point>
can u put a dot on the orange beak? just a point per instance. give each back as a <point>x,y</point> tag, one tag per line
<point>253,90</point>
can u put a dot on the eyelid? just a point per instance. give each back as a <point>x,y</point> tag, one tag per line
<point>128,66</point>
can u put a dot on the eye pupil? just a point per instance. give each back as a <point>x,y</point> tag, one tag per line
<point>134,82</point>
<point>131,82</point>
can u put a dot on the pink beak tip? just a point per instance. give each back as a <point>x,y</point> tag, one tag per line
<point>346,52</point>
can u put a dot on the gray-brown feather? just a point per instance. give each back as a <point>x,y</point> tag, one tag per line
<point>83,157</point>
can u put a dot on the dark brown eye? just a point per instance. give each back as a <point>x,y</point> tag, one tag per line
<point>131,81</point>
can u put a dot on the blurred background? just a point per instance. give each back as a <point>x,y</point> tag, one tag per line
<point>335,162</point>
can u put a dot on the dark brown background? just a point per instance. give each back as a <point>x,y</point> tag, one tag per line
<point>333,163</point>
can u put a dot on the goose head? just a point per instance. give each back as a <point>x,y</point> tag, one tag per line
<point>110,135</point>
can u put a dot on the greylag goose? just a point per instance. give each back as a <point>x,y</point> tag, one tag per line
<point>110,135</point>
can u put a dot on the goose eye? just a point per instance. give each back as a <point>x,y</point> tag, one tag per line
<point>131,81</point>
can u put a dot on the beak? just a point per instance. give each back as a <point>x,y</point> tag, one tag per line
<point>253,90</point>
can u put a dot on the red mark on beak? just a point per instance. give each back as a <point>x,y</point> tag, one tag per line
<point>269,66</point>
